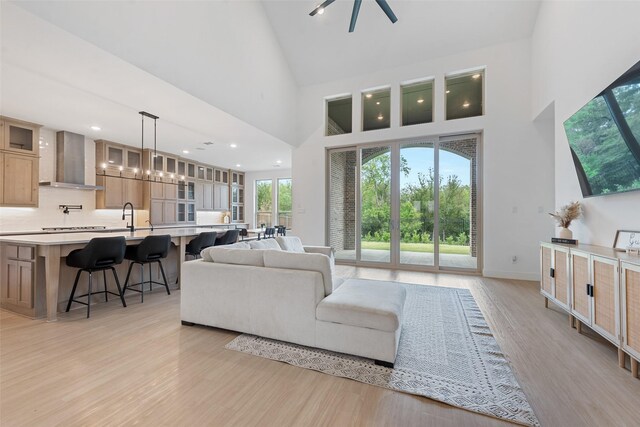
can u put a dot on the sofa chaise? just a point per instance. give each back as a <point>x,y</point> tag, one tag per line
<point>279,289</point>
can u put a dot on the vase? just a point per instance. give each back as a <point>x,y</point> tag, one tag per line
<point>565,233</point>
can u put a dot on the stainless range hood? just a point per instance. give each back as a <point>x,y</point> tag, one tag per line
<point>70,163</point>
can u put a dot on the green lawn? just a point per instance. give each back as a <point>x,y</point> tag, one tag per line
<point>418,247</point>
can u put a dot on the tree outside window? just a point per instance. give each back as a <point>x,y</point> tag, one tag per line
<point>264,205</point>
<point>284,202</point>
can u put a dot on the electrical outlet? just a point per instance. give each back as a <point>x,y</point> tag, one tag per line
<point>514,259</point>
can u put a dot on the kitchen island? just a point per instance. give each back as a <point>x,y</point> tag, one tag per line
<point>33,266</point>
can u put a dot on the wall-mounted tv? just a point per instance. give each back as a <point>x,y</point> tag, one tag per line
<point>604,137</point>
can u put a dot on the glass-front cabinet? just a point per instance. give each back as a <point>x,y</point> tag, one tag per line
<point>170,166</point>
<point>19,137</point>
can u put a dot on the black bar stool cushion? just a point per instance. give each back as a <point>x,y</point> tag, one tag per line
<point>100,252</point>
<point>204,240</point>
<point>151,248</point>
<point>231,236</point>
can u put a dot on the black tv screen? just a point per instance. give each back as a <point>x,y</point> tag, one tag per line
<point>604,137</point>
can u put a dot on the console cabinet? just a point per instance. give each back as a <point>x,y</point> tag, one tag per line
<point>630,302</point>
<point>598,287</point>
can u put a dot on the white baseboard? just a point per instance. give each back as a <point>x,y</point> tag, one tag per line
<point>511,275</point>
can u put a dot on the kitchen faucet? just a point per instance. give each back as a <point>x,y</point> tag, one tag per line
<point>130,227</point>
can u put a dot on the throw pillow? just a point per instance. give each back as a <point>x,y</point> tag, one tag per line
<point>295,261</point>
<point>205,252</point>
<point>265,244</point>
<point>290,244</point>
<point>224,255</point>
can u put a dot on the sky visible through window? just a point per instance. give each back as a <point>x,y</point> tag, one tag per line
<point>450,164</point>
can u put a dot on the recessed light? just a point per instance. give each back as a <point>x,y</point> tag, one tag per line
<point>475,76</point>
<point>377,102</point>
<point>448,91</point>
<point>95,127</point>
<point>233,145</point>
<point>185,151</point>
<point>321,11</point>
<point>110,161</point>
<point>368,95</point>
<point>420,101</point>
<point>278,161</point>
<point>238,165</point>
<point>380,117</point>
<point>466,104</point>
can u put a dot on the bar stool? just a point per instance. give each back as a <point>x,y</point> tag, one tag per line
<point>204,240</point>
<point>281,230</point>
<point>270,233</point>
<point>151,249</point>
<point>100,254</point>
<point>229,237</point>
<point>243,233</point>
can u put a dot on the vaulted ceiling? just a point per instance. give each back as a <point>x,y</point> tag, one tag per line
<point>320,48</point>
<point>221,71</point>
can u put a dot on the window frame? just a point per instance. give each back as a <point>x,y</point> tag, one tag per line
<point>462,73</point>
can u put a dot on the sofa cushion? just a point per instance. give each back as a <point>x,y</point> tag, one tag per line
<point>290,244</point>
<point>295,261</point>
<point>364,303</point>
<point>224,255</point>
<point>205,252</point>
<point>265,244</point>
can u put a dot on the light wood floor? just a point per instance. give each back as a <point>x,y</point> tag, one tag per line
<point>139,366</point>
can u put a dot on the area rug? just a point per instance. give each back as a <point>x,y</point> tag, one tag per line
<point>447,353</point>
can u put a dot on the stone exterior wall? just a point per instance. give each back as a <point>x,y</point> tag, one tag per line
<point>467,148</point>
<point>342,203</point>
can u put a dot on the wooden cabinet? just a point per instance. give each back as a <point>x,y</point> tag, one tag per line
<point>595,299</point>
<point>221,197</point>
<point>603,292</point>
<point>20,180</point>
<point>630,311</point>
<point>19,148</point>
<point>555,283</point>
<point>19,137</point>
<point>17,284</point>
<point>162,202</point>
<point>580,286</point>
<point>204,196</point>
<point>605,300</point>
<point>117,191</point>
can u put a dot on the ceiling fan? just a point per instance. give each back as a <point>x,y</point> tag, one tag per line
<point>319,10</point>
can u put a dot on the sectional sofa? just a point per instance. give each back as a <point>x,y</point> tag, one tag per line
<point>279,289</point>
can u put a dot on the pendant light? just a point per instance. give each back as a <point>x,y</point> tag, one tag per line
<point>155,118</point>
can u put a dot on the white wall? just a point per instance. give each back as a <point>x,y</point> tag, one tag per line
<point>517,157</point>
<point>250,179</point>
<point>222,52</point>
<point>578,49</point>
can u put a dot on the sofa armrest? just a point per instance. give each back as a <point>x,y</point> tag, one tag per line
<point>325,250</point>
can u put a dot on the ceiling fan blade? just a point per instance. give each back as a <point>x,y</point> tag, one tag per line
<point>321,6</point>
<point>354,15</point>
<point>386,9</point>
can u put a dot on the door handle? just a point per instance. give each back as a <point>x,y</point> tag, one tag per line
<point>552,272</point>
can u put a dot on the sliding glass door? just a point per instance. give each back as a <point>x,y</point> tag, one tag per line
<point>412,204</point>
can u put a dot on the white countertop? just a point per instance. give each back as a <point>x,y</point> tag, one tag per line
<point>84,237</point>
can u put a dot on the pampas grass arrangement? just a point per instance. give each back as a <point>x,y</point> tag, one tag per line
<point>567,213</point>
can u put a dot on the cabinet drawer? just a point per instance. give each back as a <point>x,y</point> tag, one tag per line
<point>25,252</point>
<point>11,251</point>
